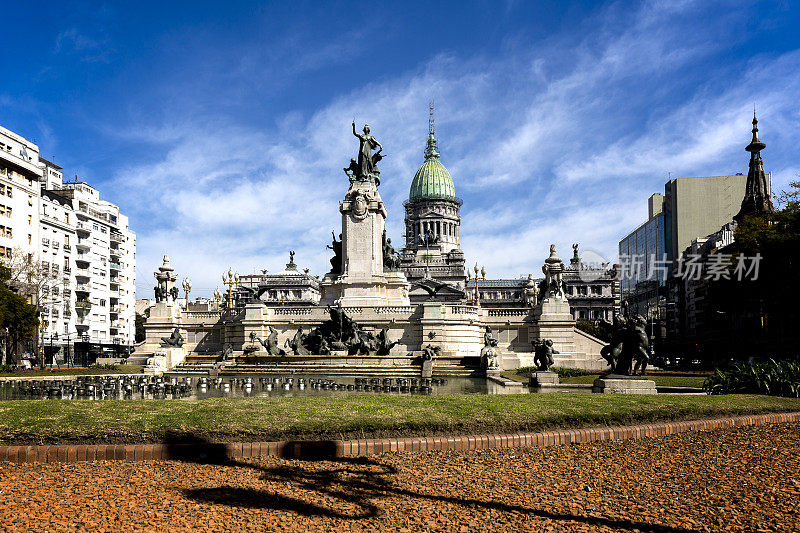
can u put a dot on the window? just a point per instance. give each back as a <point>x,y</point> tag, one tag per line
<point>8,191</point>
<point>30,238</point>
<point>30,200</point>
<point>30,219</point>
<point>102,303</point>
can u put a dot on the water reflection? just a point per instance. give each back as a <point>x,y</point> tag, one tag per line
<point>186,387</point>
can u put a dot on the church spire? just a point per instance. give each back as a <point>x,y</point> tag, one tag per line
<point>756,197</point>
<point>432,149</point>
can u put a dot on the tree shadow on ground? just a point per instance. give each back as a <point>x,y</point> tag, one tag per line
<point>356,484</point>
<point>190,448</point>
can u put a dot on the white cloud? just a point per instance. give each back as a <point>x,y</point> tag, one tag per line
<point>561,143</point>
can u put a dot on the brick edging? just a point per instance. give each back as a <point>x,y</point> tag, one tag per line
<point>213,452</point>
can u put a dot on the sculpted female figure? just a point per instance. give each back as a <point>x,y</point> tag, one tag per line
<point>367,143</point>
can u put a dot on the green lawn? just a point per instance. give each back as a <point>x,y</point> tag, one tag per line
<point>693,380</point>
<point>64,371</point>
<point>40,421</point>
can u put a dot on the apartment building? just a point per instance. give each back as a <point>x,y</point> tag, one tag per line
<point>57,238</point>
<point>84,248</point>
<point>104,255</point>
<point>20,176</point>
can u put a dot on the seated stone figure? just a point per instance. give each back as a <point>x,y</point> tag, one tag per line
<point>297,343</point>
<point>429,352</point>
<point>384,345</point>
<point>176,339</point>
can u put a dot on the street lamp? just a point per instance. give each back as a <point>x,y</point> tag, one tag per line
<point>482,271</point>
<point>427,240</point>
<point>187,288</point>
<point>230,279</point>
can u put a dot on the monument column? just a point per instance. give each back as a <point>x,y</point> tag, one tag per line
<point>165,318</point>
<point>552,318</point>
<point>369,273</point>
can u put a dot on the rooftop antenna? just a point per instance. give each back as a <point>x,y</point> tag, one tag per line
<point>430,121</point>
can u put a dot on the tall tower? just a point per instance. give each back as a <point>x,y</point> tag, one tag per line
<point>756,197</point>
<point>433,210</point>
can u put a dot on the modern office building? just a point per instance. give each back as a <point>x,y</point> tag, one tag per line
<point>641,253</point>
<point>696,207</point>
<point>691,208</point>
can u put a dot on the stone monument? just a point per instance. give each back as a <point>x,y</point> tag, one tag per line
<point>629,344</point>
<point>359,275</point>
<point>553,320</point>
<point>489,355</point>
<point>163,328</point>
<point>543,359</point>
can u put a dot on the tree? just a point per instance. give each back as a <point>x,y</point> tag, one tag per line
<point>768,302</point>
<point>18,319</point>
<point>36,282</point>
<point>140,334</point>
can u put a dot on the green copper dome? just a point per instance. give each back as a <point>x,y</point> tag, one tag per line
<point>432,181</point>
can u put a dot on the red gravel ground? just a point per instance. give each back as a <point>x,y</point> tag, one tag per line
<point>737,479</point>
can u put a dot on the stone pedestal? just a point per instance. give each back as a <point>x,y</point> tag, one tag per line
<point>542,378</point>
<point>616,384</point>
<point>363,282</point>
<point>165,358</point>
<point>164,318</point>
<point>427,369</point>
<point>552,320</point>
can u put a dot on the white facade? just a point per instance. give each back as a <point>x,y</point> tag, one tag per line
<point>57,254</point>
<point>84,242</point>
<point>104,255</point>
<point>20,174</point>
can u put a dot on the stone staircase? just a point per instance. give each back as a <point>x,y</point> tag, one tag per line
<point>328,365</point>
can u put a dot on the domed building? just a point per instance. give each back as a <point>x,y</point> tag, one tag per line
<point>433,222</point>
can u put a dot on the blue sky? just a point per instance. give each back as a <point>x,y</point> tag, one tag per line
<point>221,128</point>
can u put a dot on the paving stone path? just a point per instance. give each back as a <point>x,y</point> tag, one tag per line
<point>735,479</point>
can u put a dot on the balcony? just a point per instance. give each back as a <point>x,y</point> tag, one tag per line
<point>82,287</point>
<point>116,237</point>
<point>114,266</point>
<point>82,227</point>
<point>83,304</point>
<point>83,244</point>
<point>82,272</point>
<point>83,256</point>
<point>67,248</point>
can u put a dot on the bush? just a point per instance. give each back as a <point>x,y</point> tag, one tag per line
<point>6,368</point>
<point>104,367</point>
<point>570,372</point>
<point>773,378</point>
<point>562,372</point>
